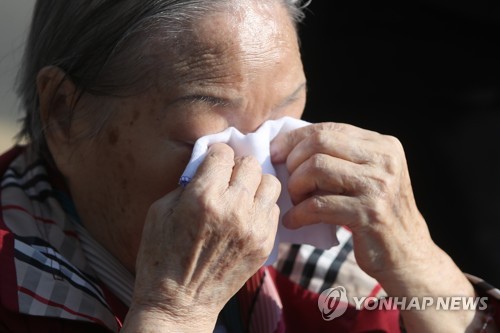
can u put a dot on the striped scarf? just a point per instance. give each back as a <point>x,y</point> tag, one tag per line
<point>48,274</point>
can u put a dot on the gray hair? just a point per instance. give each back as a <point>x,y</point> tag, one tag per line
<point>88,40</point>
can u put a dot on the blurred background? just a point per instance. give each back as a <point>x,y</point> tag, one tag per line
<point>14,20</point>
<point>427,72</point>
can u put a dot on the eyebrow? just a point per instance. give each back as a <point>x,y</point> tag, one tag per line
<point>212,100</point>
<point>236,102</point>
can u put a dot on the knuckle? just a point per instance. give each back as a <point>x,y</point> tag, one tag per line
<point>333,127</point>
<point>377,185</point>
<point>271,181</point>
<point>262,246</point>
<point>370,215</point>
<point>292,138</point>
<point>375,212</point>
<point>318,162</point>
<point>390,163</point>
<point>380,187</point>
<point>394,141</point>
<point>209,204</point>
<point>390,159</point>
<point>319,139</point>
<point>249,161</point>
<point>220,151</point>
<point>316,204</point>
<point>395,145</point>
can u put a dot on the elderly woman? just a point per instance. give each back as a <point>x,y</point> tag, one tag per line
<point>97,234</point>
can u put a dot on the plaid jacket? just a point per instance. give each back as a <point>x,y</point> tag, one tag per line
<point>47,285</point>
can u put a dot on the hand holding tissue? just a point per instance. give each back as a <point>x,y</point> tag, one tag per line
<point>258,144</point>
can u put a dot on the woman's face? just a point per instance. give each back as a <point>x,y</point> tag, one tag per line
<point>238,68</point>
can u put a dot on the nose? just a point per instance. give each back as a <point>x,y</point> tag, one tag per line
<point>250,123</point>
<point>248,129</point>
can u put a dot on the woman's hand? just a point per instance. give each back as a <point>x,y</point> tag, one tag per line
<point>201,243</point>
<point>344,175</point>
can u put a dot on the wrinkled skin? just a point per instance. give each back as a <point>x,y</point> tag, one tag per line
<point>192,248</point>
<point>227,238</point>
<point>344,175</point>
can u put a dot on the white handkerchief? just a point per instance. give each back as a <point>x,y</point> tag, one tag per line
<point>258,144</point>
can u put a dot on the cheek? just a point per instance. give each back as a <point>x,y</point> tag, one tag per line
<point>142,164</point>
<point>149,174</point>
<point>137,179</point>
<point>154,152</point>
<point>161,172</point>
<point>150,149</point>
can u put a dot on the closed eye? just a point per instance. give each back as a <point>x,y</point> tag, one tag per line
<point>211,100</point>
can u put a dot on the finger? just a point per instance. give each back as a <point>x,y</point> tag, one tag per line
<point>283,144</point>
<point>268,192</point>
<point>329,209</point>
<point>216,168</point>
<point>323,173</point>
<point>269,229</point>
<point>265,205</point>
<point>331,143</point>
<point>246,176</point>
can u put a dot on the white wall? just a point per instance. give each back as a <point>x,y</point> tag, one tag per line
<point>14,21</point>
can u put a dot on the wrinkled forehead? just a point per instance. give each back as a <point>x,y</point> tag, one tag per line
<point>250,34</point>
<point>252,24</point>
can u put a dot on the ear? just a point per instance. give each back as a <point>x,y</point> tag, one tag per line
<point>57,97</point>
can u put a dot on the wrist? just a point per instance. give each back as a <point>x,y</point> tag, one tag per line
<point>436,275</point>
<point>149,319</point>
